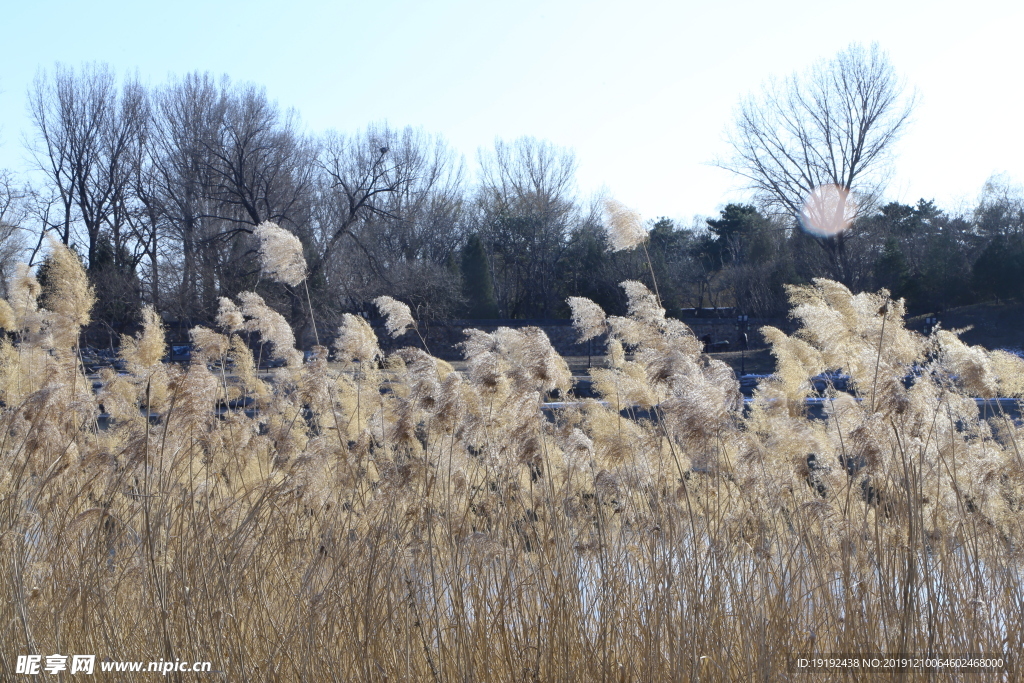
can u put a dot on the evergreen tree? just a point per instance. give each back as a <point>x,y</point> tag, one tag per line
<point>477,286</point>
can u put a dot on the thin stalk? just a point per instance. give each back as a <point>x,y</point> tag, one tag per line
<point>650,266</point>
<point>878,358</point>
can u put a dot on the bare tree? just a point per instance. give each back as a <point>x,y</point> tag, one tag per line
<point>263,165</point>
<point>188,121</point>
<point>90,137</point>
<point>834,125</point>
<point>528,210</point>
<point>224,159</point>
<point>357,175</point>
<point>388,218</point>
<point>87,129</point>
<point>13,212</point>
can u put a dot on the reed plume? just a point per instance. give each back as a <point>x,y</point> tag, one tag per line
<point>587,317</point>
<point>398,318</point>
<point>280,254</point>
<point>623,226</point>
<point>271,325</point>
<point>229,316</point>
<point>356,341</point>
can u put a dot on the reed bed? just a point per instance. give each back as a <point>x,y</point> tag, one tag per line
<point>389,519</point>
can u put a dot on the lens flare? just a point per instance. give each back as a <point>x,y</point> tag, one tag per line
<point>828,211</point>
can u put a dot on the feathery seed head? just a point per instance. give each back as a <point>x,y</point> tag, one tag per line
<point>245,367</point>
<point>281,254</point>
<point>534,364</point>
<point>587,317</point>
<point>230,317</point>
<point>629,331</point>
<point>796,360</point>
<point>272,327</point>
<point>208,343</point>
<point>970,364</point>
<point>196,393</point>
<point>578,449</point>
<point>148,349</point>
<point>861,334</point>
<point>25,291</point>
<point>624,229</point>
<point>356,340</point>
<point>68,292</point>
<point>1009,369</point>
<point>643,305</point>
<point>486,367</point>
<point>478,342</point>
<point>398,317</point>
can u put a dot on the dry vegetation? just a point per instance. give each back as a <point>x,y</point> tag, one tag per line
<point>390,519</point>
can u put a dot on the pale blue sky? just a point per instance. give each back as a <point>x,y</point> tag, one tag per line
<point>642,92</point>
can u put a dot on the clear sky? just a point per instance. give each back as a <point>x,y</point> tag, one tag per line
<point>643,92</point>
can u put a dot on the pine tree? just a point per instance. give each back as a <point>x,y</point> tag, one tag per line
<point>477,285</point>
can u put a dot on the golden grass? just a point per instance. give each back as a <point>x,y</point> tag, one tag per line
<point>406,522</point>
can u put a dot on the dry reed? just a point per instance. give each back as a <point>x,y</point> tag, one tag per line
<point>397,520</point>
